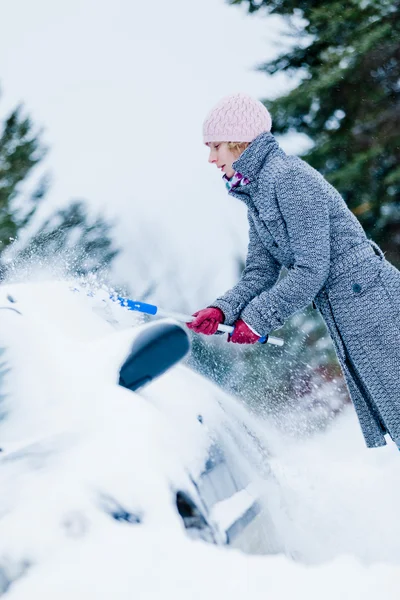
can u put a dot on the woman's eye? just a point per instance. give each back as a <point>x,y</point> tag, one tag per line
<point>216,147</point>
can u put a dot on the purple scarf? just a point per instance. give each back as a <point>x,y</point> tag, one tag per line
<point>235,181</point>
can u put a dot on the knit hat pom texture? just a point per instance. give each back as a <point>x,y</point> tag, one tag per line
<point>236,118</point>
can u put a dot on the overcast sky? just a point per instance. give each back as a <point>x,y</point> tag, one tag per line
<point>121,90</point>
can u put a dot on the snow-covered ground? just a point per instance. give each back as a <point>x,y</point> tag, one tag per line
<point>77,448</point>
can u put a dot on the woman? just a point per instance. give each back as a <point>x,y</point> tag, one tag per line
<point>299,221</point>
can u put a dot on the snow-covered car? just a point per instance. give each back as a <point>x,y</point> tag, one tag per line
<point>98,421</point>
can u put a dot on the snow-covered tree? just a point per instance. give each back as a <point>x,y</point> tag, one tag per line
<point>85,241</point>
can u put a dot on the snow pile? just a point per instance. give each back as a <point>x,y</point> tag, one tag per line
<point>88,470</point>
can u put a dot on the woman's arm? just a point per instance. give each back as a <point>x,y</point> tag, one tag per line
<point>303,201</point>
<point>260,273</point>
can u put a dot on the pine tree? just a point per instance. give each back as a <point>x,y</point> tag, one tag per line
<point>20,152</point>
<point>347,59</point>
<point>84,241</point>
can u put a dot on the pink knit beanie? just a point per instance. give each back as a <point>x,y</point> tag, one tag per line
<point>236,118</point>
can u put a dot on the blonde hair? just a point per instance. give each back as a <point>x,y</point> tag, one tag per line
<point>238,147</point>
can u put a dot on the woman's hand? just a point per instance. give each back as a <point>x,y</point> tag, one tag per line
<point>207,320</point>
<point>242,334</point>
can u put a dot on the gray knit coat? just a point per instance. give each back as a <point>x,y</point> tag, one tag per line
<point>298,220</point>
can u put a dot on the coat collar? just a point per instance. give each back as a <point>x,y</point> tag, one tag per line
<point>256,155</point>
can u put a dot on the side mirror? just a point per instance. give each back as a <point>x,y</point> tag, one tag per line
<point>157,347</point>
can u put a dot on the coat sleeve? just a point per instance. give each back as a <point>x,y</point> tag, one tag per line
<point>260,273</point>
<point>303,202</point>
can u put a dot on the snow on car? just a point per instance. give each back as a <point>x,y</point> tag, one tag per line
<point>85,442</point>
<point>103,488</point>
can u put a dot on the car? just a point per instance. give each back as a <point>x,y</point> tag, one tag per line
<point>100,416</point>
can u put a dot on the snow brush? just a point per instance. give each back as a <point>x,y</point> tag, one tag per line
<point>152,309</point>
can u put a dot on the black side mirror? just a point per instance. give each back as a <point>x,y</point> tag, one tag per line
<point>157,347</point>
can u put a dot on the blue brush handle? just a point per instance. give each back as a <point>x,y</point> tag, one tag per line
<point>149,309</point>
<point>152,309</point>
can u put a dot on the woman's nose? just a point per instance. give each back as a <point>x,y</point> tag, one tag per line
<point>211,158</point>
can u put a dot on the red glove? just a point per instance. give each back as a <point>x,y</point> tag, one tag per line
<point>207,320</point>
<point>243,334</point>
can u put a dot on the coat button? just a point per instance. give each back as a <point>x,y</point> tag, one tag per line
<point>356,288</point>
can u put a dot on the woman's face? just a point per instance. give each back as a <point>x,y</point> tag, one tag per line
<point>222,157</point>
